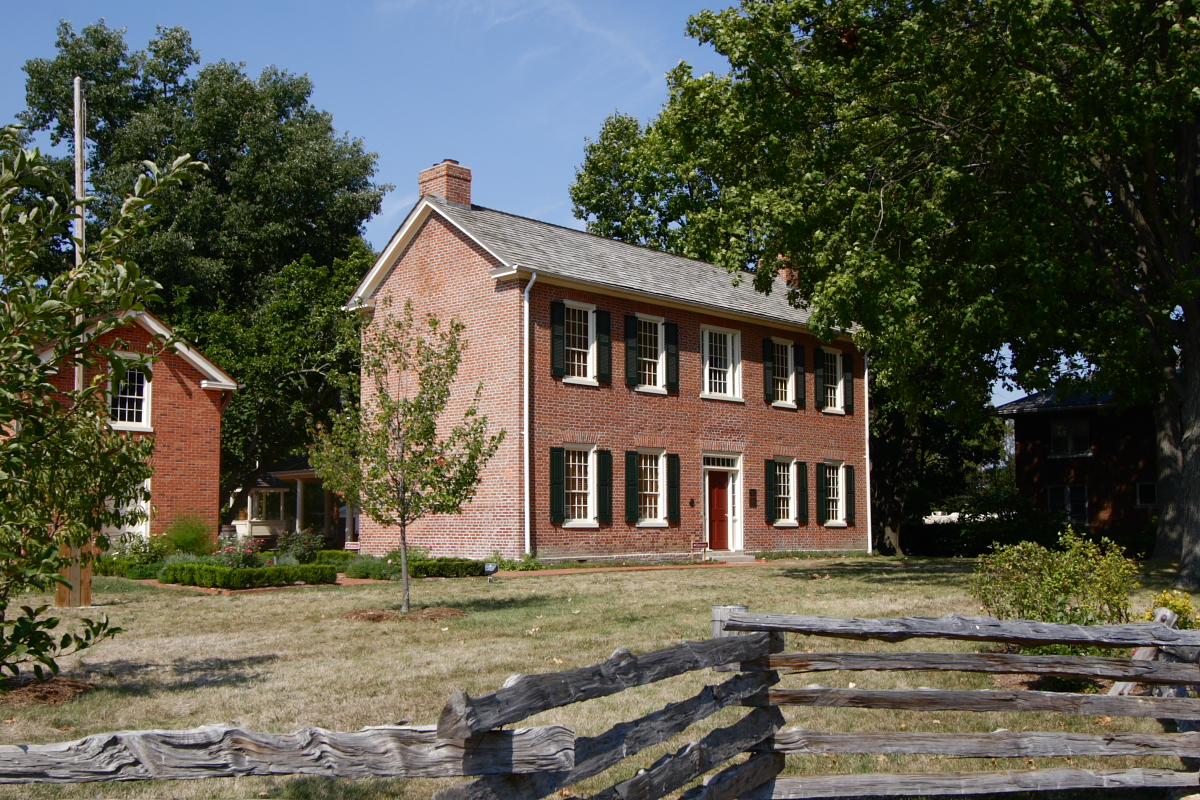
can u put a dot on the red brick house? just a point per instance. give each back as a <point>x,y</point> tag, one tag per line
<point>181,406</point>
<point>1090,459</point>
<point>649,403</point>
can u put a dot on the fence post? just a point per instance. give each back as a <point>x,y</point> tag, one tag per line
<point>719,615</point>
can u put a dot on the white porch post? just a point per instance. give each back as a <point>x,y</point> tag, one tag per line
<point>299,505</point>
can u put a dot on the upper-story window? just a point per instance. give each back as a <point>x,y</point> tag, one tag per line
<point>784,374</point>
<point>579,342</point>
<point>833,374</point>
<point>722,364</point>
<point>1070,438</point>
<point>129,403</point>
<point>833,380</point>
<point>649,352</point>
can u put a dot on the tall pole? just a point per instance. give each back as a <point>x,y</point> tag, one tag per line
<point>78,592</point>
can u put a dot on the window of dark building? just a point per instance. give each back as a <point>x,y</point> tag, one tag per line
<point>1072,500</point>
<point>1147,494</point>
<point>1070,438</point>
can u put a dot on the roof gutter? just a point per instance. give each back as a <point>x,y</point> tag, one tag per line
<point>525,392</point>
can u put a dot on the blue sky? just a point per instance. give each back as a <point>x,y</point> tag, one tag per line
<point>509,88</point>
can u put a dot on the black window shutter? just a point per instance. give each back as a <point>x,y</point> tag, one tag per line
<point>802,493</point>
<point>848,474</point>
<point>603,346</point>
<point>604,487</point>
<point>848,382</point>
<point>769,492</point>
<point>673,514</point>
<point>818,380</point>
<point>558,339</point>
<point>820,470</point>
<point>558,484</point>
<point>671,334</point>
<point>769,370</point>
<point>801,389</point>
<point>631,486</point>
<point>631,370</point>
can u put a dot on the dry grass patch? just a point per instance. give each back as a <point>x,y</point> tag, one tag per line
<point>417,614</point>
<point>282,660</point>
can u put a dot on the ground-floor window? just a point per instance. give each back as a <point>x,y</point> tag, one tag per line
<point>1071,499</point>
<point>578,485</point>
<point>785,507</point>
<point>835,493</point>
<point>650,487</point>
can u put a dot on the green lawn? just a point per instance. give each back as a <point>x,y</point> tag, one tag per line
<point>278,661</point>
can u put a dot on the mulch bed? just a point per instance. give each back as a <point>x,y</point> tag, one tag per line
<point>418,614</point>
<point>53,692</point>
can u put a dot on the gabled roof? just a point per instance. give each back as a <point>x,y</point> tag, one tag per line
<point>523,245</point>
<point>1049,401</point>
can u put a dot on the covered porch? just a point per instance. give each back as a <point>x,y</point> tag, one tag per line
<point>291,497</point>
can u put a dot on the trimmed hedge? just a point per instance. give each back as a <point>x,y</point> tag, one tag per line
<point>125,568</point>
<point>338,558</point>
<point>380,569</point>
<point>210,576</point>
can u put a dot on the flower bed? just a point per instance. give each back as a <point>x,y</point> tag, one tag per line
<point>209,576</point>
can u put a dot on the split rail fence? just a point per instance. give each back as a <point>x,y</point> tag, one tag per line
<point>470,738</point>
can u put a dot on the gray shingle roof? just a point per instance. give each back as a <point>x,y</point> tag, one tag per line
<point>1049,401</point>
<point>607,263</point>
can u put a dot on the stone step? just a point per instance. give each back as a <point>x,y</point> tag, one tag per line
<point>735,557</point>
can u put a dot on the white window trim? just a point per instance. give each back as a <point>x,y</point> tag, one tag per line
<point>792,521</point>
<point>735,364</point>
<point>791,373</point>
<point>661,521</point>
<point>147,426</point>
<point>590,380</point>
<point>840,522</point>
<point>840,408</point>
<point>661,386</point>
<point>590,521</point>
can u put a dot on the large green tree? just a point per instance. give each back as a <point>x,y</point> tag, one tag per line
<point>953,176</point>
<point>284,193</point>
<point>65,474</point>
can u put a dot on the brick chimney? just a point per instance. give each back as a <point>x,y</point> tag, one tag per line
<point>447,180</point>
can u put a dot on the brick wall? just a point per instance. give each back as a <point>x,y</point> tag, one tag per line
<point>187,435</point>
<point>1123,455</point>
<point>446,273</point>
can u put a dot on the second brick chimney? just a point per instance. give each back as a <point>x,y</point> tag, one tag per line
<point>447,180</point>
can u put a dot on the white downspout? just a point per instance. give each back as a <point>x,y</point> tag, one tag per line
<point>867,427</point>
<point>525,412</point>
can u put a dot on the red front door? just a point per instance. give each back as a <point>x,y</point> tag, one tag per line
<point>718,511</point>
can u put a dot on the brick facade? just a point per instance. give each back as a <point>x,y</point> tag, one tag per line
<point>186,422</point>
<point>1122,454</point>
<point>444,271</point>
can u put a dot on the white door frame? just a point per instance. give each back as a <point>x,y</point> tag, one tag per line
<point>735,496</point>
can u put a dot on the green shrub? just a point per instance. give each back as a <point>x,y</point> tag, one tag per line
<point>242,556</point>
<point>143,572</point>
<point>285,560</point>
<point>210,576</point>
<point>338,558</point>
<point>189,535</point>
<point>527,563</point>
<point>138,549</point>
<point>302,545</point>
<point>187,558</point>
<point>1082,583</point>
<point>384,569</point>
<point>414,554</point>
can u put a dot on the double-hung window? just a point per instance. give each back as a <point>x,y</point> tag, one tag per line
<point>579,342</point>
<point>580,486</point>
<point>129,402</point>
<point>785,491</point>
<point>722,364</point>
<point>651,369</point>
<point>651,487</point>
<point>1070,438</point>
<point>833,381</point>
<point>1071,499</point>
<point>835,494</point>
<point>1147,494</point>
<point>784,373</point>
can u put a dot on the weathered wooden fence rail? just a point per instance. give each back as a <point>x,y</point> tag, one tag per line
<point>532,763</point>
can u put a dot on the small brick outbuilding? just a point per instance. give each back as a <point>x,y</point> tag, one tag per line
<point>181,406</point>
<point>649,402</point>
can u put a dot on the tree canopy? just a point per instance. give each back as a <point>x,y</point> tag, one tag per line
<point>953,176</point>
<point>258,254</point>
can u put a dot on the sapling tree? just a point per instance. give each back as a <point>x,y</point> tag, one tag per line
<point>65,475</point>
<point>390,458</point>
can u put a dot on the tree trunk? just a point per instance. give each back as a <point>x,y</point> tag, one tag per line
<point>1168,542</point>
<point>893,456</point>
<point>404,607</point>
<point>1188,488</point>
